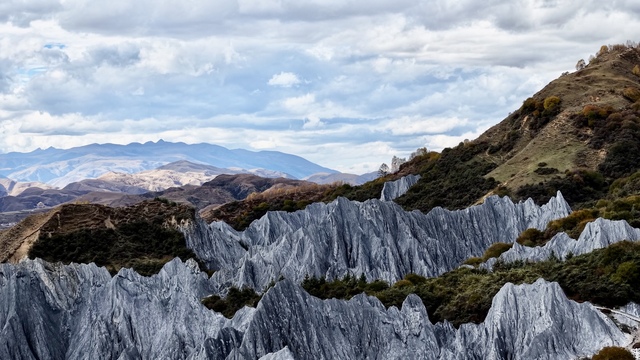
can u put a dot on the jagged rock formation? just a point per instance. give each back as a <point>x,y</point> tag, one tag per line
<point>525,322</point>
<point>596,235</point>
<point>374,238</point>
<point>394,189</point>
<point>78,311</point>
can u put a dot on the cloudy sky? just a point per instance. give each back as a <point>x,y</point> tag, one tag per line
<point>346,84</point>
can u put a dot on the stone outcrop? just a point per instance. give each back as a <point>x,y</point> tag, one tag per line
<point>50,311</point>
<point>596,235</point>
<point>76,311</point>
<point>375,238</point>
<point>525,322</point>
<point>394,189</point>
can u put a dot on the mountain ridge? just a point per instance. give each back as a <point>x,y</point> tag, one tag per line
<point>60,167</point>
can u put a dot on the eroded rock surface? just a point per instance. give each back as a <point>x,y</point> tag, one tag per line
<point>394,189</point>
<point>596,235</point>
<point>375,238</point>
<point>79,311</point>
<point>525,322</point>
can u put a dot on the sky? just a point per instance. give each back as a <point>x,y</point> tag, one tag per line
<point>346,84</point>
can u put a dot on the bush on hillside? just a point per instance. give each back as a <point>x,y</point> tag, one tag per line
<point>455,180</point>
<point>613,353</point>
<point>236,299</point>
<point>495,250</point>
<point>631,93</point>
<point>551,105</point>
<point>465,295</point>
<point>578,187</point>
<point>532,237</point>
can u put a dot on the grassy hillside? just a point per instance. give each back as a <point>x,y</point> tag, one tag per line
<point>580,134</point>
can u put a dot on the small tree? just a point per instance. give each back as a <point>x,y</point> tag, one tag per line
<point>581,65</point>
<point>636,70</point>
<point>384,170</point>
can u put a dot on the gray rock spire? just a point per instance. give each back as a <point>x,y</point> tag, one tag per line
<point>375,238</point>
<point>394,189</point>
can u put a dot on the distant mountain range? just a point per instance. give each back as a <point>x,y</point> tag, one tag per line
<point>60,167</point>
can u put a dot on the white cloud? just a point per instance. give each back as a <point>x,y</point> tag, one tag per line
<point>347,84</point>
<point>284,79</point>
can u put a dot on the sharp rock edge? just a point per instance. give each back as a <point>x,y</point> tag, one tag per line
<point>394,189</point>
<point>375,238</point>
<point>52,311</point>
<point>534,321</point>
<point>597,234</point>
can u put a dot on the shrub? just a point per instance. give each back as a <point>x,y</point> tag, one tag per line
<point>546,171</point>
<point>626,272</point>
<point>551,104</point>
<point>236,299</point>
<point>592,112</point>
<point>636,70</point>
<point>529,105</point>
<point>473,261</point>
<point>532,237</point>
<point>402,283</point>
<point>613,353</point>
<point>415,279</point>
<point>496,250</point>
<point>604,49</point>
<point>631,93</point>
<point>572,224</point>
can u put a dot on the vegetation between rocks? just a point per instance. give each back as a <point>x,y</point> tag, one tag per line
<point>607,277</point>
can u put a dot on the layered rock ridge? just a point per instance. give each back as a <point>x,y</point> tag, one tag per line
<point>76,311</point>
<point>375,238</point>
<point>534,321</point>
<point>52,311</point>
<point>597,234</point>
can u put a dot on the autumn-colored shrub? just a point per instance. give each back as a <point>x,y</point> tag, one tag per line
<point>631,93</point>
<point>636,70</point>
<point>496,250</point>
<point>473,261</point>
<point>551,103</point>
<point>532,237</point>
<point>596,112</point>
<point>572,224</point>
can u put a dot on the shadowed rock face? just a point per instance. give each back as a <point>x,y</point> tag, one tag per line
<point>375,238</point>
<point>78,311</point>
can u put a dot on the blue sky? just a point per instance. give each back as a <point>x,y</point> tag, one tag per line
<point>346,84</point>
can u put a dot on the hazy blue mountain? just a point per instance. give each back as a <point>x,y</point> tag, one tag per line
<point>60,167</point>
